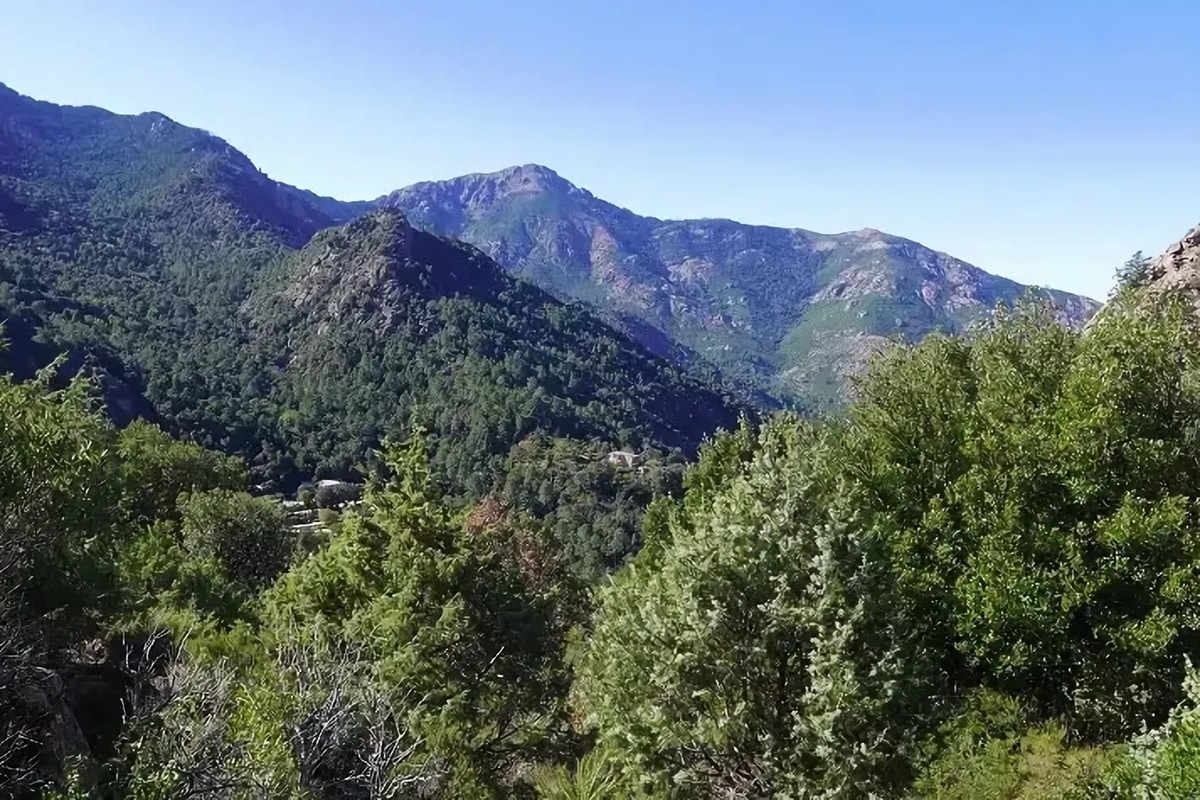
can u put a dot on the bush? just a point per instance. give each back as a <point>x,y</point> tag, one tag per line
<point>1165,762</point>
<point>994,750</point>
<point>244,535</point>
<point>760,653</point>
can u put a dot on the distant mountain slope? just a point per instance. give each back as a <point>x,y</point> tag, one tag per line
<point>794,310</point>
<point>162,255</point>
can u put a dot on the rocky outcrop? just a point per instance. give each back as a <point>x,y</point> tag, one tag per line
<point>1173,275</point>
<point>1178,269</point>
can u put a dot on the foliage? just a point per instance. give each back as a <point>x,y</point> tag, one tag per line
<point>73,507</point>
<point>591,500</point>
<point>761,653</point>
<point>156,470</point>
<point>59,500</point>
<point>245,536</point>
<point>464,644</point>
<point>1040,484</point>
<point>992,749</point>
<point>301,723</point>
<point>1133,273</point>
<point>1009,513</point>
<point>981,582</point>
<point>1165,761</point>
<point>594,778</point>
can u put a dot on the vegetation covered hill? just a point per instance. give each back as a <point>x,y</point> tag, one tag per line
<point>378,328</point>
<point>794,311</point>
<point>160,257</point>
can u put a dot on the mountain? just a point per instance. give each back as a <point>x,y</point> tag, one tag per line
<point>378,324</point>
<point>254,317</point>
<point>791,310</point>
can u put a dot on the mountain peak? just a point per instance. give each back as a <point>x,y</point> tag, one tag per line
<point>523,178</point>
<point>531,171</point>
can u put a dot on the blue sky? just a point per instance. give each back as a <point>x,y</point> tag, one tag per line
<point>1041,140</point>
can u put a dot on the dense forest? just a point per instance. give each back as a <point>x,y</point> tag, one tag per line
<point>791,310</point>
<point>980,582</point>
<point>199,291</point>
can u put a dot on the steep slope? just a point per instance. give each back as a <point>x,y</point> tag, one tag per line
<point>1178,269</point>
<point>139,236</point>
<point>1144,283</point>
<point>800,311</point>
<point>379,326</point>
<point>160,255</point>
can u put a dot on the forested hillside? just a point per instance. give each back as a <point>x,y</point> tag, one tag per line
<point>378,324</point>
<point>159,257</point>
<point>577,569</point>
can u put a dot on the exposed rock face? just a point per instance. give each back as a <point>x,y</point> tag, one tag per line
<point>1174,274</point>
<point>1178,269</point>
<point>43,700</point>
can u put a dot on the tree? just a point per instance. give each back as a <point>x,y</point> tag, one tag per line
<point>156,470</point>
<point>464,645</point>
<point>758,653</point>
<point>59,500</point>
<point>1133,273</point>
<point>57,526</point>
<point>244,535</point>
<point>1042,485</point>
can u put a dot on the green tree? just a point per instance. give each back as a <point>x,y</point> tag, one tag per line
<point>1041,486</point>
<point>465,645</point>
<point>759,652</point>
<point>1133,273</point>
<point>156,470</point>
<point>59,507</point>
<point>244,535</point>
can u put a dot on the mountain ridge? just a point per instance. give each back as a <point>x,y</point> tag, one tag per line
<point>151,249</point>
<point>788,309</point>
<point>787,312</point>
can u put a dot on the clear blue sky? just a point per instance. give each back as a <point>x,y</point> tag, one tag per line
<point>1038,139</point>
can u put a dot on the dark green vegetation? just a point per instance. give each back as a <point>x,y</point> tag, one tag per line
<point>158,257</point>
<point>788,310</point>
<point>984,583</point>
<point>377,324</point>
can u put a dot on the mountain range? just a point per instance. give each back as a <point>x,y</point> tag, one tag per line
<point>794,312</point>
<point>263,320</point>
<point>296,329</point>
